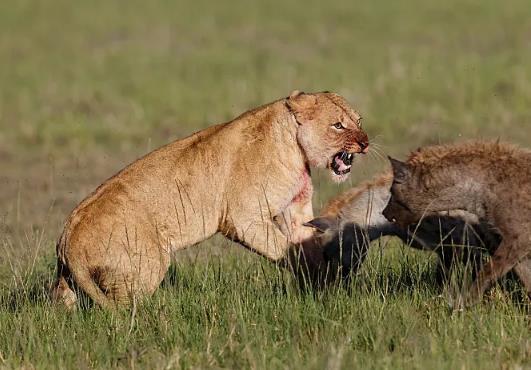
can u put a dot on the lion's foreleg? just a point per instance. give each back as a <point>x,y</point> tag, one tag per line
<point>292,219</point>
<point>265,238</point>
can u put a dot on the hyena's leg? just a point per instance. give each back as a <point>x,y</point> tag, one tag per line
<point>523,270</point>
<point>474,260</point>
<point>447,259</point>
<point>468,256</point>
<point>506,257</point>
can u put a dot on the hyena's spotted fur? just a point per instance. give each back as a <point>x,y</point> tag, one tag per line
<point>353,219</point>
<point>488,179</point>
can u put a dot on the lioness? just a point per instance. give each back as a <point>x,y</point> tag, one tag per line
<point>350,221</point>
<point>233,178</point>
<point>489,179</point>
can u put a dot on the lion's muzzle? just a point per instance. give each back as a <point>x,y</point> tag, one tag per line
<point>362,143</point>
<point>342,163</point>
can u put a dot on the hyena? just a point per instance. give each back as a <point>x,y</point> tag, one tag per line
<point>353,219</point>
<point>491,180</point>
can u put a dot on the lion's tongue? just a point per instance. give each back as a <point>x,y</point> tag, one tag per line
<point>341,165</point>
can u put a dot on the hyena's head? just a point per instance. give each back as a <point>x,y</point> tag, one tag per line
<point>329,131</point>
<point>420,191</point>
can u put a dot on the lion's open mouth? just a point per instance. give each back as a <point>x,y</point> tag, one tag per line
<point>341,163</point>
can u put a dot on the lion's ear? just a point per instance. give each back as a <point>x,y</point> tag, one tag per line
<point>298,101</point>
<point>295,93</point>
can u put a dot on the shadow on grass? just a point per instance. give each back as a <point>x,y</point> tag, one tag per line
<point>262,277</point>
<point>228,273</point>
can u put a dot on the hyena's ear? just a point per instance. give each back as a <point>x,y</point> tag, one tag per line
<point>321,224</point>
<point>401,170</point>
<point>301,105</point>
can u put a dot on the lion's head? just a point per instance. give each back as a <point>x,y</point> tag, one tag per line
<point>329,131</point>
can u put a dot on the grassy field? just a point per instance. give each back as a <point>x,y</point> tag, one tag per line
<point>86,87</point>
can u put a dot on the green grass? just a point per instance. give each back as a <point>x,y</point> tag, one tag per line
<point>230,314</point>
<point>86,87</point>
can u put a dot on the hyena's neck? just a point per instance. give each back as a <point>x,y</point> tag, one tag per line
<point>475,187</point>
<point>480,177</point>
<point>461,187</point>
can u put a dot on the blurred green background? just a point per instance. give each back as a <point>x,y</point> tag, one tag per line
<point>88,86</point>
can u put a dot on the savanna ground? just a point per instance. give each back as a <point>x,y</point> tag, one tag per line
<point>86,87</point>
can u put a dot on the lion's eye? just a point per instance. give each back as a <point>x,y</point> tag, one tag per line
<point>339,126</point>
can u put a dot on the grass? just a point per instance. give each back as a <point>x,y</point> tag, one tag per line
<point>86,87</point>
<point>226,314</point>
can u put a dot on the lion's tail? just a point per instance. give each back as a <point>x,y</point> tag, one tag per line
<point>71,271</point>
<point>85,281</point>
<point>62,292</point>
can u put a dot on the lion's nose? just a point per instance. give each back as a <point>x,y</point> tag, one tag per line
<point>364,146</point>
<point>363,142</point>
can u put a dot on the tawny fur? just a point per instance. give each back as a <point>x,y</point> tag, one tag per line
<point>232,178</point>
<point>489,179</point>
<point>353,219</point>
